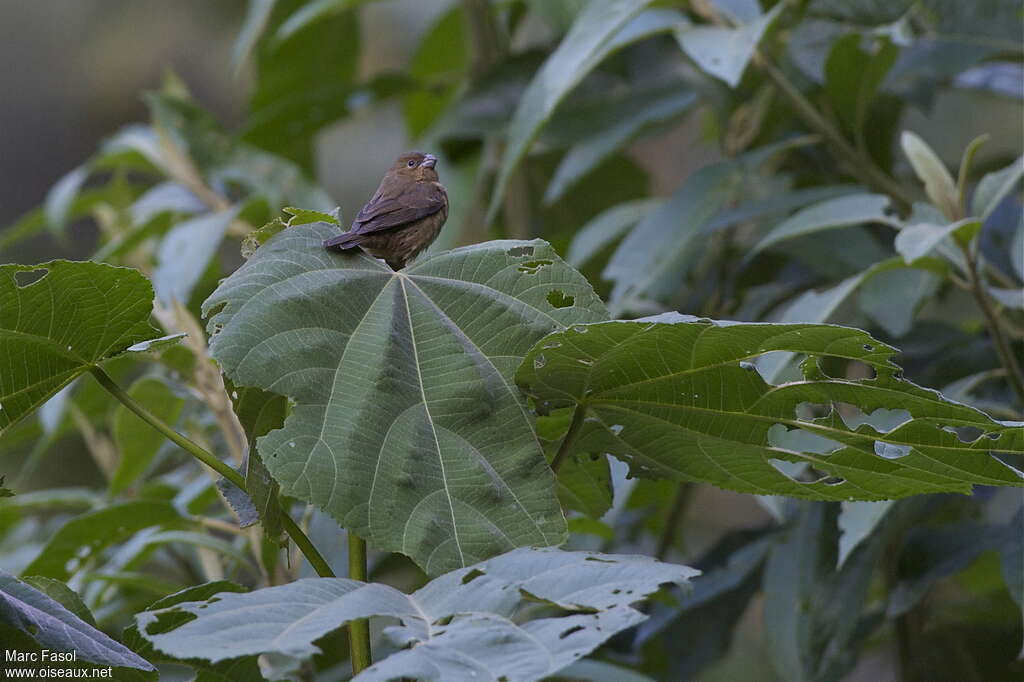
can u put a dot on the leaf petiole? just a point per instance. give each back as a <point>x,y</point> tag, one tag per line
<point>301,540</point>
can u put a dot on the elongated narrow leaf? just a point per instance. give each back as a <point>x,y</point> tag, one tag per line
<point>606,227</point>
<point>917,241</point>
<point>596,590</point>
<point>682,400</point>
<point>647,109</point>
<point>938,183</point>
<point>853,77</point>
<point>602,27</point>
<point>54,627</point>
<point>78,540</point>
<point>68,320</point>
<point>830,214</point>
<point>994,187</point>
<point>407,427</point>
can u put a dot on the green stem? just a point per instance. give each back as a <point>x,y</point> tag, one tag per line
<point>860,164</point>
<point>1009,361</point>
<point>301,540</point>
<point>574,427</point>
<point>358,630</point>
<point>675,516</point>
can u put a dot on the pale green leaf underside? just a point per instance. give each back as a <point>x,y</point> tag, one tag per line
<point>53,626</point>
<point>60,325</point>
<point>407,426</point>
<point>683,400</point>
<point>288,620</point>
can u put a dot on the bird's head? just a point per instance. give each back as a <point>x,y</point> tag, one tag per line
<point>415,166</point>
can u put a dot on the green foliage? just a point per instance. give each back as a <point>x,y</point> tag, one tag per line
<point>789,165</point>
<point>67,318</point>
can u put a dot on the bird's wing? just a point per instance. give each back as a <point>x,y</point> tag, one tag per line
<point>384,212</point>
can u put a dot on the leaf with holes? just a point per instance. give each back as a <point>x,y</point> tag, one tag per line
<point>407,427</point>
<point>592,592</point>
<point>684,400</point>
<point>58,325</point>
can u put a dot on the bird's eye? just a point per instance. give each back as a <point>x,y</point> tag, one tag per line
<point>411,163</point>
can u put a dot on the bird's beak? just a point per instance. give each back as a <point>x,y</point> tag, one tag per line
<point>429,161</point>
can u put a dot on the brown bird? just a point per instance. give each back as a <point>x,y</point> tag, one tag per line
<point>404,216</point>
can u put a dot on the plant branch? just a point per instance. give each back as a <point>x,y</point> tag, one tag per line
<point>574,427</point>
<point>358,630</point>
<point>862,166</point>
<point>303,542</point>
<point>1009,361</point>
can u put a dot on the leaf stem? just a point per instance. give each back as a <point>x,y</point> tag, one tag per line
<point>675,515</point>
<point>358,630</point>
<point>1013,370</point>
<point>301,540</point>
<point>574,427</point>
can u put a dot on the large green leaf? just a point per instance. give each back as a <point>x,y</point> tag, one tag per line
<point>602,28</point>
<point>682,399</point>
<point>407,427</point>
<point>68,320</point>
<point>482,639</point>
<point>53,626</point>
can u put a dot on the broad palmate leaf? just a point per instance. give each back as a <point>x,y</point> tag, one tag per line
<point>69,319</point>
<point>683,399</point>
<point>590,595</point>
<point>407,427</point>
<point>54,627</point>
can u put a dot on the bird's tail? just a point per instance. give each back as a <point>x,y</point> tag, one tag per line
<point>342,242</point>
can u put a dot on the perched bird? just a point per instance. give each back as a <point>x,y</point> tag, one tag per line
<point>404,216</point>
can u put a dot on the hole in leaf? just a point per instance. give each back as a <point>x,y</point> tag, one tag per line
<point>993,436</point>
<point>521,251</point>
<point>868,347</point>
<point>891,450</point>
<point>533,267</point>
<point>25,278</point>
<point>559,299</point>
<point>570,631</point>
<point>968,434</point>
